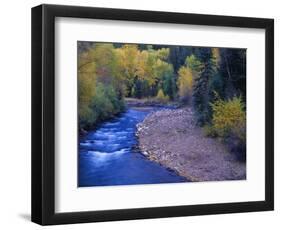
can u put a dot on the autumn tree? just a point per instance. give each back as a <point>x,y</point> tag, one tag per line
<point>107,73</point>
<point>127,57</point>
<point>185,84</point>
<point>100,96</point>
<point>153,72</point>
<point>86,88</point>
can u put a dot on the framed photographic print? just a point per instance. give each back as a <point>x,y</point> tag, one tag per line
<point>142,114</point>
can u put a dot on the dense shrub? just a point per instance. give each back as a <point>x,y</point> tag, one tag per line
<point>229,122</point>
<point>161,97</point>
<point>104,104</point>
<point>209,130</point>
<point>107,73</point>
<point>86,91</point>
<point>229,116</point>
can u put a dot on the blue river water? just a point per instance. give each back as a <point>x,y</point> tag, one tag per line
<point>107,156</point>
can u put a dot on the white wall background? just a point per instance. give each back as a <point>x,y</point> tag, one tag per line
<point>15,114</point>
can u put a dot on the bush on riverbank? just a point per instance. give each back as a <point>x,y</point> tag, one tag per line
<point>172,138</point>
<point>229,123</point>
<point>161,97</point>
<point>109,72</point>
<point>100,88</point>
<point>229,117</point>
<point>159,74</point>
<point>104,105</point>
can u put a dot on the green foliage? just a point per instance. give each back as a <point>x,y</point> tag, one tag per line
<point>152,72</point>
<point>126,68</point>
<point>201,89</point>
<point>100,89</point>
<point>165,76</point>
<point>86,89</point>
<point>163,53</point>
<point>151,66</point>
<point>141,89</point>
<point>105,104</point>
<point>232,68</point>
<point>177,56</point>
<point>169,85</point>
<point>194,64</point>
<point>222,71</point>
<point>229,117</point>
<point>209,130</point>
<point>109,72</point>
<point>187,74</point>
<point>103,56</point>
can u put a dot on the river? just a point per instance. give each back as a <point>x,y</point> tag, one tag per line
<point>108,155</point>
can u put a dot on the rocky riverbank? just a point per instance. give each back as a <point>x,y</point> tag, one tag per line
<point>150,102</point>
<point>171,138</point>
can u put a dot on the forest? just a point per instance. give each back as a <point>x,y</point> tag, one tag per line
<point>211,81</point>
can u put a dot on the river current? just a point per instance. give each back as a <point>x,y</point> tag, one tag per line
<point>108,155</point>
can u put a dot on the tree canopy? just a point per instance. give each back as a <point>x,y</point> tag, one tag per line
<point>196,76</point>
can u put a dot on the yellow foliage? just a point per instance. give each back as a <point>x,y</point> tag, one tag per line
<point>162,67</point>
<point>194,64</point>
<point>86,62</point>
<point>127,59</point>
<point>86,85</point>
<point>146,67</point>
<point>161,96</point>
<point>151,65</point>
<point>185,82</point>
<point>216,56</point>
<point>126,65</point>
<point>103,56</point>
<point>141,64</point>
<point>163,53</point>
<point>229,117</point>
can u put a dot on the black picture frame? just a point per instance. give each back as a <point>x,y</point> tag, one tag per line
<point>43,114</point>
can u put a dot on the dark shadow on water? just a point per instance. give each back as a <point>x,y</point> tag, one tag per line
<point>25,216</point>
